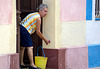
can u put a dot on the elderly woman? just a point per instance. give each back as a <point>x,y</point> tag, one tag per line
<point>30,24</point>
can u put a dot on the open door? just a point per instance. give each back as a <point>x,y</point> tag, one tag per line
<point>24,7</point>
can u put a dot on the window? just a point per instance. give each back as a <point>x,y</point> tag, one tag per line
<point>97,9</point>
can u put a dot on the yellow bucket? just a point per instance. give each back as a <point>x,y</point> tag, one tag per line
<point>41,61</point>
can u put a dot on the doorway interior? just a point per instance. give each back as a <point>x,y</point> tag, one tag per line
<point>23,8</point>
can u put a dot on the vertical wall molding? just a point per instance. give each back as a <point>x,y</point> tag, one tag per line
<point>88,9</point>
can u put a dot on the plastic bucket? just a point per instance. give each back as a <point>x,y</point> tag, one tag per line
<point>41,61</point>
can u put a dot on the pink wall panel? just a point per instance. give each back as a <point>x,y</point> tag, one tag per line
<point>72,10</point>
<point>9,61</point>
<point>67,58</point>
<point>5,11</point>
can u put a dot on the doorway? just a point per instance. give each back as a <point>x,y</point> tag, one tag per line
<point>23,8</point>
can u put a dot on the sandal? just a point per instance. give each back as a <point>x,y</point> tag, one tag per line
<point>31,67</point>
<point>23,66</point>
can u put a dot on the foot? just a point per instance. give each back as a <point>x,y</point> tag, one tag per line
<point>23,66</point>
<point>33,66</point>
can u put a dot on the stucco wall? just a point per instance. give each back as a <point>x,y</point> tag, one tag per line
<point>8,31</point>
<point>63,29</point>
<point>71,23</point>
<point>92,29</point>
<point>70,30</point>
<point>72,10</point>
<point>73,34</point>
<point>93,39</point>
<point>49,24</point>
<point>73,20</point>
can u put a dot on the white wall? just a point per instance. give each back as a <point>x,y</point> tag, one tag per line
<point>93,29</point>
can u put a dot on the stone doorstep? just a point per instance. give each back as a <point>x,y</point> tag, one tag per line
<point>65,58</point>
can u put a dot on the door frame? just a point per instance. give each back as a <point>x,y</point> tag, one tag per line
<point>18,20</point>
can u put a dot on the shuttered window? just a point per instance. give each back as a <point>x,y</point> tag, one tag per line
<point>97,8</point>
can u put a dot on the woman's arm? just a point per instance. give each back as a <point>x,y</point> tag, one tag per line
<point>38,27</point>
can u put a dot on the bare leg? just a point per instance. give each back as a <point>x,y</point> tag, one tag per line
<point>30,55</point>
<point>22,49</point>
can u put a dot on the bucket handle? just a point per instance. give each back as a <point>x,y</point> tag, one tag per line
<point>42,50</point>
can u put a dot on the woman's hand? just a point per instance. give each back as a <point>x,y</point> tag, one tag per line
<point>47,41</point>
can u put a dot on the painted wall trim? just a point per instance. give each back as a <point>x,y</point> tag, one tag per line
<point>88,9</point>
<point>97,19</point>
<point>94,55</point>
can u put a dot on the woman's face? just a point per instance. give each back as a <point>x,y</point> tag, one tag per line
<point>43,12</point>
